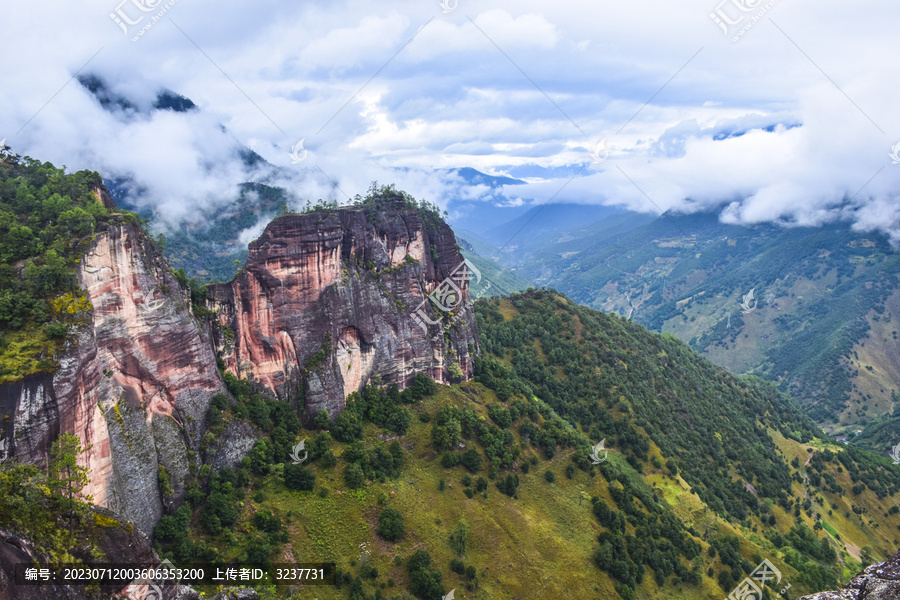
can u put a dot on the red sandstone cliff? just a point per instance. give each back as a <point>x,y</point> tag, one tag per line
<point>349,283</point>
<point>134,383</point>
<point>326,303</point>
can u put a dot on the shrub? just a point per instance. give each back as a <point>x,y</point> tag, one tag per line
<point>55,329</point>
<point>261,457</point>
<point>508,485</point>
<point>457,566</point>
<point>220,401</point>
<point>266,521</point>
<point>258,552</point>
<point>353,476</point>
<point>214,417</point>
<point>298,477</point>
<point>368,572</point>
<point>550,476</point>
<point>424,582</point>
<point>347,427</point>
<point>390,525</point>
<point>421,386</point>
<point>499,415</point>
<point>471,460</point>
<point>459,539</point>
<point>328,460</point>
<point>445,436</point>
<point>322,420</point>
<point>219,511</point>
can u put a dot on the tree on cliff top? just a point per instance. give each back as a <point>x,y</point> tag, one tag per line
<point>388,197</point>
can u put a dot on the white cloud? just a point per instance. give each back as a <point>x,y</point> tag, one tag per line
<point>571,75</point>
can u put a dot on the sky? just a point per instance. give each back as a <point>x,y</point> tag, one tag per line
<point>761,110</point>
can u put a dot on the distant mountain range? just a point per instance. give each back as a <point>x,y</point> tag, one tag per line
<point>815,309</point>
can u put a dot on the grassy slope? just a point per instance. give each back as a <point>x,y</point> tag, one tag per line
<point>540,545</point>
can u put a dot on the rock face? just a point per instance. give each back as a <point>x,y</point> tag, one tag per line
<point>879,582</point>
<point>134,382</point>
<point>331,300</point>
<point>120,542</point>
<point>327,302</point>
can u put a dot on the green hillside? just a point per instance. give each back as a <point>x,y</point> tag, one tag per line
<point>824,316</point>
<point>706,475</point>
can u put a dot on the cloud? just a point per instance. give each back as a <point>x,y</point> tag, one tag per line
<point>759,130</point>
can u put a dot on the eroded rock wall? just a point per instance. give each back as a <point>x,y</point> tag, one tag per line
<point>134,383</point>
<point>329,297</point>
<point>327,302</point>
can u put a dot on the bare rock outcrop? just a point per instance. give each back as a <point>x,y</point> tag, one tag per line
<point>331,300</point>
<point>119,541</point>
<point>880,581</point>
<point>327,302</point>
<point>134,382</point>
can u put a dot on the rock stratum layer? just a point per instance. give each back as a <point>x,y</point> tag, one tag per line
<point>134,383</point>
<point>327,302</point>
<point>331,300</point>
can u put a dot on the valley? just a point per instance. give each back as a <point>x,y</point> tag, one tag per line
<point>456,461</point>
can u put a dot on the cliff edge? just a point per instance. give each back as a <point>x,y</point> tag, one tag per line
<point>331,300</point>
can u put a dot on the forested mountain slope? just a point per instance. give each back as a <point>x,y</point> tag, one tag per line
<point>822,319</point>
<point>489,488</point>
